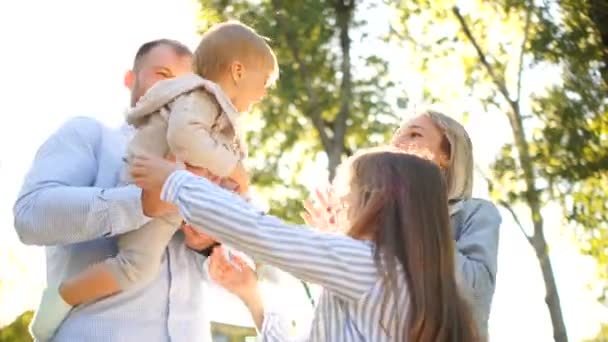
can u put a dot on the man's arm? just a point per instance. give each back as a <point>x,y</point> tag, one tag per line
<point>57,203</point>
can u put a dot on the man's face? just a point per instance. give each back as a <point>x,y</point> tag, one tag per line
<point>160,63</point>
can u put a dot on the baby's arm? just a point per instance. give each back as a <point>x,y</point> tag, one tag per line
<point>190,139</point>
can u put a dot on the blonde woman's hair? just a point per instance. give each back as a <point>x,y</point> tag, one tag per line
<point>457,146</point>
<point>232,41</point>
<point>459,173</point>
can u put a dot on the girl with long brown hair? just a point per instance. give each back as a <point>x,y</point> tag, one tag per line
<point>390,278</point>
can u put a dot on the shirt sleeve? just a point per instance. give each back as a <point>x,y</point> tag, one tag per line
<point>58,204</point>
<point>189,134</point>
<point>340,264</point>
<point>477,247</point>
<point>276,328</point>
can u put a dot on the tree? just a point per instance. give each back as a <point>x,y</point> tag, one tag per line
<point>559,133</point>
<point>18,330</point>
<point>321,110</point>
<point>602,335</point>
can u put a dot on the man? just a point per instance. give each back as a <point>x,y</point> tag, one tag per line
<point>70,204</point>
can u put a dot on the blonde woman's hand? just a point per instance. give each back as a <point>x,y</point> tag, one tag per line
<point>320,211</point>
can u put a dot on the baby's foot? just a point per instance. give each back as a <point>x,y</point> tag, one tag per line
<point>49,316</point>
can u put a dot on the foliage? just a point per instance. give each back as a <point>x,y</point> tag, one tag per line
<point>559,124</point>
<point>18,330</point>
<point>326,104</point>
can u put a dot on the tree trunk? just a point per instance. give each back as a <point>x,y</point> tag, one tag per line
<point>532,195</point>
<point>551,296</point>
<point>332,135</point>
<point>537,240</point>
<point>344,12</point>
<point>598,12</point>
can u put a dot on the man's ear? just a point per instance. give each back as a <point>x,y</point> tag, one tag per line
<point>129,79</point>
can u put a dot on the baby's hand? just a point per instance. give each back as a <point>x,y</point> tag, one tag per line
<point>241,282</point>
<point>203,172</point>
<point>240,177</point>
<point>194,239</point>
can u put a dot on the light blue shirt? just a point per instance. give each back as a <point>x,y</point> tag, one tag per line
<point>70,204</point>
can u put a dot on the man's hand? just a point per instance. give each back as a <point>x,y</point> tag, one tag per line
<point>196,240</point>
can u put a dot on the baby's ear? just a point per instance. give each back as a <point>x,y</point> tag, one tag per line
<point>237,69</point>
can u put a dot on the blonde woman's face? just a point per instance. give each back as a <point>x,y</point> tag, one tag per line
<point>421,134</point>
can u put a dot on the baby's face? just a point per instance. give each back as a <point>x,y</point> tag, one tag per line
<point>252,87</point>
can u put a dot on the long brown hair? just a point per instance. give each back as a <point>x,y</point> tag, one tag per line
<point>401,202</point>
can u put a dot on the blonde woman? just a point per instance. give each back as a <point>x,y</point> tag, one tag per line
<point>475,221</point>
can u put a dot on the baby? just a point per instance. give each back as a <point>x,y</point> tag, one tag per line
<point>196,120</point>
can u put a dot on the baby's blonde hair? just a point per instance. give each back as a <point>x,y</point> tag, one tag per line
<point>232,41</point>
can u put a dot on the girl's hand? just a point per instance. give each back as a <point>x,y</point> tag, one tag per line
<point>241,281</point>
<point>150,172</point>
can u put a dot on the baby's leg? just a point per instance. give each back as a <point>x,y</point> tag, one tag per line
<point>141,251</point>
<point>137,263</point>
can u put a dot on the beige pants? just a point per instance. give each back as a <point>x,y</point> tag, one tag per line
<point>140,251</point>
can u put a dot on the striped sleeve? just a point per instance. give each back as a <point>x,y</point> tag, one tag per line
<point>340,264</point>
<point>275,329</point>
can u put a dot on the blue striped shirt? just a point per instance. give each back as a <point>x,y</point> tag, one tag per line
<point>350,308</point>
<point>70,204</point>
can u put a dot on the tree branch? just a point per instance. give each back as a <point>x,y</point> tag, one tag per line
<point>504,203</point>
<point>522,51</point>
<point>482,57</point>
<point>507,206</point>
<point>315,113</point>
<point>343,17</point>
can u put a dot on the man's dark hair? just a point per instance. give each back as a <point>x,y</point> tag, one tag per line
<point>179,48</point>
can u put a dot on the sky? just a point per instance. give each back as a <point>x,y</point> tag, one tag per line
<point>67,58</point>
